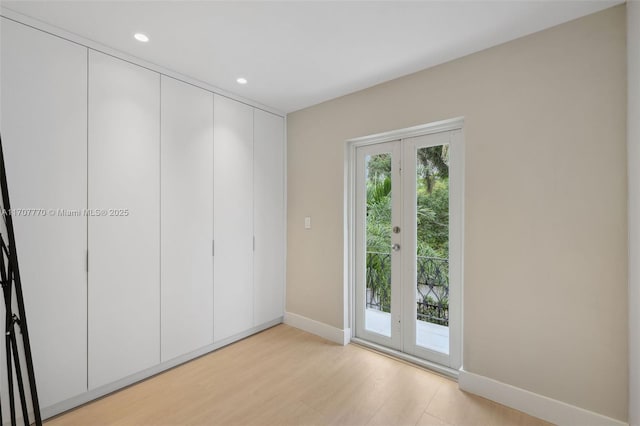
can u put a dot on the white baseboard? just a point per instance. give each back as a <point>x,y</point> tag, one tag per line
<point>543,407</point>
<point>334,334</point>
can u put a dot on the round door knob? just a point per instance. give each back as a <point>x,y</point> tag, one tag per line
<point>395,247</point>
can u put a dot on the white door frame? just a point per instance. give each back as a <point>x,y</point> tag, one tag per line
<point>456,239</point>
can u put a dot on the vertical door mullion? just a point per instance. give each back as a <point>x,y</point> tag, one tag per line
<point>409,244</point>
<point>396,238</point>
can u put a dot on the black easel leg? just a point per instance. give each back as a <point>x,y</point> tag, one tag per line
<point>11,280</point>
<point>23,399</point>
<point>12,405</point>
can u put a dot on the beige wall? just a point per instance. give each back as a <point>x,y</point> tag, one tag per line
<point>545,290</point>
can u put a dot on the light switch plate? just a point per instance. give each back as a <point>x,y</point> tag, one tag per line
<point>307,222</point>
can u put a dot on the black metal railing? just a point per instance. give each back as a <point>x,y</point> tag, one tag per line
<point>433,290</point>
<point>432,286</point>
<point>379,281</point>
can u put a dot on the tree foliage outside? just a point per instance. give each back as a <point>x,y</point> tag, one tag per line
<point>432,200</point>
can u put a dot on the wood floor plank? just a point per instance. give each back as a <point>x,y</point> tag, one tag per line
<point>284,376</point>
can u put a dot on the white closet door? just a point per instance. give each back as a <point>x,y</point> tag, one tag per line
<point>44,133</point>
<point>187,218</point>
<point>268,219</point>
<point>124,245</point>
<point>233,217</point>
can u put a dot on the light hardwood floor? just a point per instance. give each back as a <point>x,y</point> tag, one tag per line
<point>284,376</point>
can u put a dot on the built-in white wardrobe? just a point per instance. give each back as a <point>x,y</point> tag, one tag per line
<point>159,226</point>
<point>248,211</point>
<point>268,211</point>
<point>124,249</point>
<point>187,218</point>
<point>43,122</point>
<point>233,217</point>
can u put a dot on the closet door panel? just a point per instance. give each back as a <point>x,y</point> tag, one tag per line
<point>44,127</point>
<point>233,217</point>
<point>268,217</point>
<point>124,236</point>
<point>187,218</point>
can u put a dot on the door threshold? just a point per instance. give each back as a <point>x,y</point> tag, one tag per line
<point>431,366</point>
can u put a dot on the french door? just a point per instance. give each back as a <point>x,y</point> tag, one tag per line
<point>408,240</point>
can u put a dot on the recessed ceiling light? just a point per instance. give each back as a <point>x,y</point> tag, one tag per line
<point>242,80</point>
<point>141,37</point>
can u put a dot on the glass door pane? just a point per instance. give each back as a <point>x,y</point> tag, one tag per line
<point>378,243</point>
<point>432,248</point>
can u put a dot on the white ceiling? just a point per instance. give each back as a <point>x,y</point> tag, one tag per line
<point>299,53</point>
